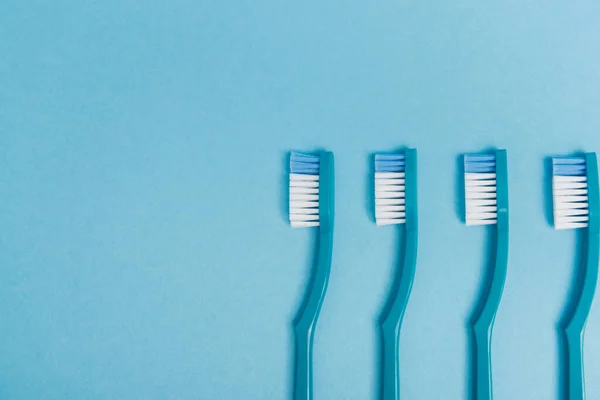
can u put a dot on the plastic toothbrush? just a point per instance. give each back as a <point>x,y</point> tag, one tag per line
<point>486,203</point>
<point>311,205</point>
<point>576,205</point>
<point>396,203</point>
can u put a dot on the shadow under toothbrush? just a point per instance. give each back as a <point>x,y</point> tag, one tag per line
<point>284,198</point>
<point>460,210</point>
<point>547,195</point>
<point>370,188</point>
<point>459,186</point>
<point>370,211</point>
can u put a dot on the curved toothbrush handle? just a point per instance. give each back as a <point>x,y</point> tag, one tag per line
<point>304,327</point>
<point>575,328</point>
<point>392,321</point>
<point>576,378</point>
<point>484,322</point>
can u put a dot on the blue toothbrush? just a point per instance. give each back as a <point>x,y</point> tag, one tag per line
<point>396,203</point>
<point>576,205</point>
<point>486,203</point>
<point>311,205</point>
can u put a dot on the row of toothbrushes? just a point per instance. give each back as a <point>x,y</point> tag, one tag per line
<point>576,204</point>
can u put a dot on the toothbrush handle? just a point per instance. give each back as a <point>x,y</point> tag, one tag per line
<point>304,327</point>
<point>393,321</point>
<point>391,365</point>
<point>483,373</point>
<point>575,328</point>
<point>484,325</point>
<point>484,322</point>
<point>575,378</point>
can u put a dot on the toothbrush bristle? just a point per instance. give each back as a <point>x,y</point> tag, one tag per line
<point>389,189</point>
<point>569,193</point>
<point>304,190</point>
<point>480,189</point>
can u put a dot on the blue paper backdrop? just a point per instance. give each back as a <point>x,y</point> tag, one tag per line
<point>144,248</point>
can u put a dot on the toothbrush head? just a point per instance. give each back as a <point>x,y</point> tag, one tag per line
<point>304,190</point>
<point>481,206</point>
<point>390,189</point>
<point>570,192</point>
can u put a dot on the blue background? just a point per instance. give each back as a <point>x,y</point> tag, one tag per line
<point>144,247</point>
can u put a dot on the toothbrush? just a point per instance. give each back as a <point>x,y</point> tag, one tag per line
<point>486,203</point>
<point>396,203</point>
<point>311,205</point>
<point>576,205</point>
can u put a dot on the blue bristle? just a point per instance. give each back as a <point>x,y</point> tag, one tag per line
<point>304,164</point>
<point>480,157</point>
<point>480,163</point>
<point>568,166</point>
<point>568,161</point>
<point>389,163</point>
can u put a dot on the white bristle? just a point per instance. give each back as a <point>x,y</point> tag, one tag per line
<point>389,202</point>
<point>476,176</point>
<point>385,181</point>
<point>305,211</point>
<point>480,190</point>
<point>391,208</point>
<point>481,182</point>
<point>571,211</point>
<point>569,179</point>
<point>393,221</point>
<point>389,188</point>
<point>304,190</point>
<point>303,197</point>
<point>558,185</point>
<point>304,224</point>
<point>479,203</point>
<point>486,209</point>
<point>389,175</point>
<point>475,221</point>
<point>570,199</point>
<point>570,202</point>
<point>390,193</point>
<point>471,194</point>
<point>567,225</point>
<point>304,217</point>
<point>304,184</point>
<point>303,177</point>
<point>304,204</point>
<point>569,206</point>
<point>390,214</point>
<point>570,192</point>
